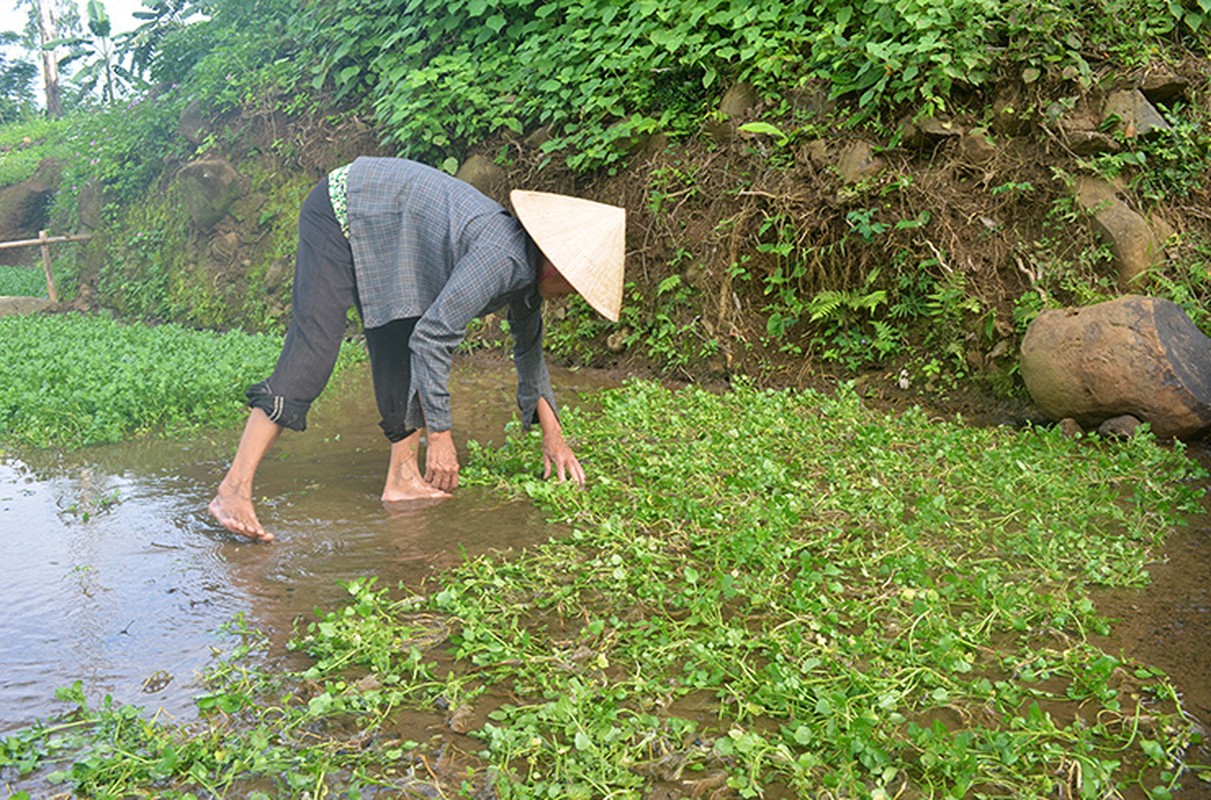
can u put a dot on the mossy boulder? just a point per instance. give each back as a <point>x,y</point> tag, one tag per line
<point>208,189</point>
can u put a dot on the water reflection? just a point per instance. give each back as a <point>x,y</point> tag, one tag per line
<point>118,578</point>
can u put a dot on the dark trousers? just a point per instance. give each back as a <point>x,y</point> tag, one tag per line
<point>325,287</point>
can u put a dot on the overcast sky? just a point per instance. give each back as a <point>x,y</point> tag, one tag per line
<point>120,14</point>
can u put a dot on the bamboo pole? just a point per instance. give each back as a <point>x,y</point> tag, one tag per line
<point>49,240</point>
<point>44,242</point>
<point>51,294</point>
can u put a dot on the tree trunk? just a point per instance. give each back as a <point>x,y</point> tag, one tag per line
<point>48,32</point>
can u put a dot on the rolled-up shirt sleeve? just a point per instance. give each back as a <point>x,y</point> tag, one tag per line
<point>533,378</point>
<point>479,276</point>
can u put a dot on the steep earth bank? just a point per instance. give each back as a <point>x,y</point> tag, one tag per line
<point>776,243</point>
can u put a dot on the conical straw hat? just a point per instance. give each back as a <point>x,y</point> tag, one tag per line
<point>586,241</point>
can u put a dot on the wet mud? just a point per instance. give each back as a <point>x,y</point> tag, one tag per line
<point>1168,625</point>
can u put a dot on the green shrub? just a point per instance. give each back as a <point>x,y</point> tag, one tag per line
<point>24,146</point>
<point>443,76</point>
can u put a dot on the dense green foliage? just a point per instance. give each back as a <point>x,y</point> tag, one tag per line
<point>834,580</point>
<point>72,380</point>
<point>24,145</point>
<point>16,85</point>
<point>759,590</point>
<point>22,282</point>
<point>443,76</point>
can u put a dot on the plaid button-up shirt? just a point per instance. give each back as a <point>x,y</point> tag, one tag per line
<point>428,245</point>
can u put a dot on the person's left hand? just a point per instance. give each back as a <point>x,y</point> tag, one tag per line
<point>441,461</point>
<point>558,457</point>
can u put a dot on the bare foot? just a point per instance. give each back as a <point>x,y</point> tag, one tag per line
<point>401,489</point>
<point>236,514</point>
<point>404,483</point>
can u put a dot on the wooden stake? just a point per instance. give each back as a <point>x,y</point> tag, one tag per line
<point>50,279</point>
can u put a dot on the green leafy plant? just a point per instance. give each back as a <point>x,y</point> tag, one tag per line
<point>670,186</point>
<point>22,282</point>
<point>74,380</point>
<point>150,45</point>
<point>99,70</point>
<point>1166,166</point>
<point>767,129</point>
<point>1194,16</point>
<point>952,312</point>
<point>599,76</point>
<point>784,280</point>
<point>669,335</point>
<point>1186,279</point>
<point>442,79</point>
<point>848,321</point>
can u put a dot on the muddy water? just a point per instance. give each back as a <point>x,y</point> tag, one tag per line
<point>116,576</point>
<point>1168,625</point>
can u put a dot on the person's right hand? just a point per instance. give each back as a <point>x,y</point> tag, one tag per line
<point>441,461</point>
<point>559,459</point>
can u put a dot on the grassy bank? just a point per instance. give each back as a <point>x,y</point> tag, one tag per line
<point>760,593</point>
<point>743,237</point>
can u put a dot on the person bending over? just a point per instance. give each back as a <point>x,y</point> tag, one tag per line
<point>420,254</point>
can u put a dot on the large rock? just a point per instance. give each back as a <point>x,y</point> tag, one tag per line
<point>1136,243</point>
<point>1081,130</point>
<point>22,305</point>
<point>736,104</point>
<point>1163,86</point>
<point>1136,355</point>
<point>1133,115</point>
<point>977,147</point>
<point>1011,115</point>
<point>25,210</point>
<point>209,188</point>
<point>485,175</point>
<point>90,205</point>
<point>927,131</point>
<point>858,162</point>
<point>193,123</point>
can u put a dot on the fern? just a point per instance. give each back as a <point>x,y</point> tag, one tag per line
<point>824,305</point>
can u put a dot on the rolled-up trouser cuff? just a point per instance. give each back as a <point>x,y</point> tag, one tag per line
<point>396,431</point>
<point>290,414</point>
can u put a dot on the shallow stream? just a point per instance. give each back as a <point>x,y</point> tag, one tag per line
<point>116,576</point>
